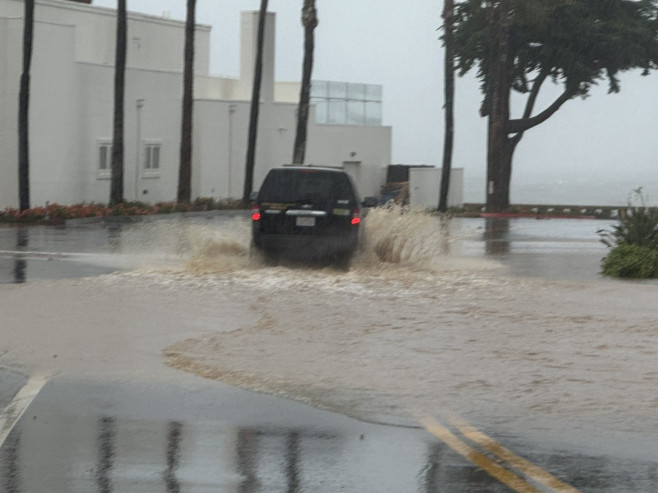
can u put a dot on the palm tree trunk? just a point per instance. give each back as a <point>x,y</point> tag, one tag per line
<point>23,109</point>
<point>185,168</point>
<point>116,187</point>
<point>255,103</point>
<point>449,90</point>
<point>310,22</point>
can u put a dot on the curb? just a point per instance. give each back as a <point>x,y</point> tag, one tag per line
<point>155,217</point>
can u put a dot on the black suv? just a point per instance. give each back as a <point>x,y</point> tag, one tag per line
<point>307,211</point>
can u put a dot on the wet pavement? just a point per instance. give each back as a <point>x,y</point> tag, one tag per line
<point>552,249</point>
<point>82,436</point>
<point>48,252</point>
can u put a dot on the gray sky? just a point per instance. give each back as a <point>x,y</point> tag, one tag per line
<point>592,151</point>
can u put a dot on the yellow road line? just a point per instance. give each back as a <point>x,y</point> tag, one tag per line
<point>526,467</point>
<point>479,459</point>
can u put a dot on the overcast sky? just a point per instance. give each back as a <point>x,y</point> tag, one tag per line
<point>595,150</point>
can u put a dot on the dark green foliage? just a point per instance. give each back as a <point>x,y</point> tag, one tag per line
<point>575,42</point>
<point>638,225</point>
<point>631,261</point>
<point>517,45</point>
<point>634,242</point>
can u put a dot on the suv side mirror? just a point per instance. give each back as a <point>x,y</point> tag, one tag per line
<point>253,196</point>
<point>370,202</point>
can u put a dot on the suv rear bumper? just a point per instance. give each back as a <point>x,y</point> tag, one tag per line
<point>303,245</point>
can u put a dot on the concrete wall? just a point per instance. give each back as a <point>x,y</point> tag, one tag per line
<point>153,42</point>
<point>370,147</point>
<point>11,31</point>
<point>425,187</point>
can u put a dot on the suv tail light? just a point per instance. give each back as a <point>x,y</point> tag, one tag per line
<point>356,217</point>
<point>255,213</point>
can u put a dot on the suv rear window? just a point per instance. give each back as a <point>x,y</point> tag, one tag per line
<point>295,185</point>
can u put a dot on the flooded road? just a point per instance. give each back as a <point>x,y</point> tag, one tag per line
<point>506,325</point>
<point>550,249</point>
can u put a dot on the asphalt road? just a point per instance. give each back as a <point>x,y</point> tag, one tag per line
<point>82,435</point>
<point>85,436</point>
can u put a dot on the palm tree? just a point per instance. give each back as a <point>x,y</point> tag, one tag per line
<point>310,22</point>
<point>185,167</point>
<point>255,102</point>
<point>116,187</point>
<point>449,90</point>
<point>23,109</point>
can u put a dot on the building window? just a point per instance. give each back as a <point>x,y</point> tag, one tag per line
<point>346,103</point>
<point>104,159</point>
<point>152,158</point>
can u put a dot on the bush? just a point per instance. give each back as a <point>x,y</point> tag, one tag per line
<point>56,213</point>
<point>634,241</point>
<point>631,261</point>
<point>638,225</point>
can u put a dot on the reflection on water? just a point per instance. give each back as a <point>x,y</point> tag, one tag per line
<point>20,264</point>
<point>431,477</point>
<point>106,454</point>
<point>497,236</point>
<point>173,456</point>
<point>251,460</point>
<point>19,270</point>
<point>10,464</point>
<point>114,237</point>
<point>247,459</point>
<point>292,460</point>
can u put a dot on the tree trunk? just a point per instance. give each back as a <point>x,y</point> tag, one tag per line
<point>23,109</point>
<point>499,146</point>
<point>255,103</point>
<point>499,169</point>
<point>449,91</point>
<point>310,22</point>
<point>185,166</point>
<point>116,185</point>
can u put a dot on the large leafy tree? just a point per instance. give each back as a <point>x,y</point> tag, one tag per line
<point>185,165</point>
<point>310,22</point>
<point>517,45</point>
<point>255,105</point>
<point>23,109</point>
<point>116,186</point>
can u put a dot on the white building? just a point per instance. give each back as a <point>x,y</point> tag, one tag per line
<point>71,111</point>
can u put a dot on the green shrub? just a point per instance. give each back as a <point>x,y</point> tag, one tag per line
<point>631,261</point>
<point>638,225</point>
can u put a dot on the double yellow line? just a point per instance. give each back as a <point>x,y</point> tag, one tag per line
<point>501,455</point>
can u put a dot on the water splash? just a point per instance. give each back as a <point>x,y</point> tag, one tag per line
<point>395,243</point>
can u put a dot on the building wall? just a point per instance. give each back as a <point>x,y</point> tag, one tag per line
<point>54,116</point>
<point>366,149</point>
<point>72,106</point>
<point>10,61</point>
<point>153,42</point>
<point>425,187</point>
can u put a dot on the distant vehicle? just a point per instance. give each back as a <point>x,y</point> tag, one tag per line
<point>307,211</point>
